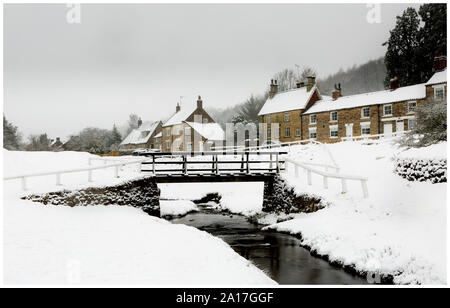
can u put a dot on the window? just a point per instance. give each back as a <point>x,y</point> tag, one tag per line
<point>189,146</point>
<point>439,93</point>
<point>205,120</point>
<point>286,117</point>
<point>312,119</point>
<point>269,133</point>
<point>168,145</point>
<point>168,131</point>
<point>333,116</point>
<point>365,129</point>
<point>187,131</point>
<point>365,112</point>
<point>387,110</point>
<point>333,131</point>
<point>268,118</point>
<point>411,124</point>
<point>277,133</point>
<point>297,132</point>
<point>412,106</point>
<point>287,131</point>
<point>312,133</point>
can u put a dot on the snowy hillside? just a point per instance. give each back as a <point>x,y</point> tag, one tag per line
<point>110,244</point>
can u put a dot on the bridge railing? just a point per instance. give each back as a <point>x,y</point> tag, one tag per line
<point>374,137</point>
<point>58,173</point>
<point>214,162</point>
<point>326,175</point>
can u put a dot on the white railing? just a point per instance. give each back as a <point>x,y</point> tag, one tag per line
<point>374,137</point>
<point>326,175</point>
<point>58,173</point>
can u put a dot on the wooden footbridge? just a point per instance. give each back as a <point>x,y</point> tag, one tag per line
<point>214,166</point>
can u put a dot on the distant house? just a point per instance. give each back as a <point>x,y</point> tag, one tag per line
<point>57,145</point>
<point>188,129</point>
<point>143,137</point>
<point>303,113</point>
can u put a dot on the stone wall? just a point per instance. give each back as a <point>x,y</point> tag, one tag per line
<point>279,197</point>
<point>143,193</point>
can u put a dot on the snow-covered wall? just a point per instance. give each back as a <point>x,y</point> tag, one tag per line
<point>421,169</point>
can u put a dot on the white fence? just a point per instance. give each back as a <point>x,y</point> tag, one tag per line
<point>374,137</point>
<point>118,164</point>
<point>326,175</point>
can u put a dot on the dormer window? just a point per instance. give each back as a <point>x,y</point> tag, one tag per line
<point>439,93</point>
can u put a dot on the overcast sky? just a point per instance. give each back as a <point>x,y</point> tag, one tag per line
<point>121,59</point>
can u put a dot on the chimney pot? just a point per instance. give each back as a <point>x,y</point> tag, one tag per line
<point>337,92</point>
<point>177,108</point>
<point>139,122</point>
<point>199,102</point>
<point>440,62</point>
<point>273,88</point>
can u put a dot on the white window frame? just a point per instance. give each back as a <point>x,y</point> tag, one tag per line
<point>189,146</point>
<point>312,130</point>
<point>187,131</point>
<point>331,116</point>
<point>365,125</point>
<point>436,88</point>
<point>334,128</point>
<point>297,132</point>
<point>205,120</point>
<point>362,112</point>
<point>384,110</point>
<point>287,116</point>
<point>168,131</point>
<point>268,119</point>
<point>409,108</point>
<point>409,123</point>
<point>311,116</point>
<point>287,129</point>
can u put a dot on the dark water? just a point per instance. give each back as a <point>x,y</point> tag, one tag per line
<point>278,255</point>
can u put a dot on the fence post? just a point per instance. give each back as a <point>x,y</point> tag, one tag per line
<point>58,179</point>
<point>116,171</point>
<point>364,188</point>
<point>154,170</point>
<point>184,164</point>
<point>248,157</point>
<point>344,186</point>
<point>139,167</point>
<point>296,171</point>
<point>278,163</point>
<point>89,161</point>
<point>217,164</point>
<point>308,172</point>
<point>24,183</point>
<point>89,175</point>
<point>325,182</point>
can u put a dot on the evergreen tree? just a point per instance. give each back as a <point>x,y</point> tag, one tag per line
<point>116,138</point>
<point>11,136</point>
<point>433,34</point>
<point>403,56</point>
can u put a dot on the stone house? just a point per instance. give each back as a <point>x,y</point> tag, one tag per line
<point>189,130</point>
<point>303,115</point>
<point>143,137</point>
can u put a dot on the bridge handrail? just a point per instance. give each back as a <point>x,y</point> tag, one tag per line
<point>213,153</point>
<point>58,173</point>
<point>376,136</point>
<point>326,175</point>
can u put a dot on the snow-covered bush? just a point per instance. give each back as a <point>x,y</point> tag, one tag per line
<point>431,126</point>
<point>422,169</point>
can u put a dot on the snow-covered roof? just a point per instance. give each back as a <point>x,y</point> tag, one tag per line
<point>180,116</point>
<point>438,77</point>
<point>366,99</point>
<point>211,131</point>
<point>158,135</point>
<point>288,100</point>
<point>141,134</point>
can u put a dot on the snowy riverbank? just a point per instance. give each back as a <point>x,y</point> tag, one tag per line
<point>399,230</point>
<point>46,244</point>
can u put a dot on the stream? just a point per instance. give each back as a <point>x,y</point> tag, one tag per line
<point>279,255</point>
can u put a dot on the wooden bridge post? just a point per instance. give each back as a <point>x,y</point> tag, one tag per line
<point>278,164</point>
<point>217,164</point>
<point>184,164</point>
<point>248,166</point>
<point>153,160</point>
<point>242,164</point>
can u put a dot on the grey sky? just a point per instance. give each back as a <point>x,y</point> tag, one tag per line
<point>122,59</point>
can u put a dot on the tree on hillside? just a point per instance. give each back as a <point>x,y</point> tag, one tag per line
<point>287,79</point>
<point>115,138</point>
<point>403,56</point>
<point>133,121</point>
<point>433,34</point>
<point>38,143</point>
<point>11,136</point>
<point>306,71</point>
<point>249,110</point>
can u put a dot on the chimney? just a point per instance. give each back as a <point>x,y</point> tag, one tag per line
<point>440,62</point>
<point>199,102</point>
<point>337,92</point>
<point>177,108</point>
<point>394,83</point>
<point>273,88</point>
<point>311,81</point>
<point>300,84</point>
<point>139,122</point>
<point>57,139</point>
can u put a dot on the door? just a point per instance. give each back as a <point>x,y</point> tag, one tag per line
<point>387,129</point>
<point>349,130</point>
<point>399,127</point>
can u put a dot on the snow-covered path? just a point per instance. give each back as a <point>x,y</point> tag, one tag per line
<point>400,229</point>
<point>104,245</point>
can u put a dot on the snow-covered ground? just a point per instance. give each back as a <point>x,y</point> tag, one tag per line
<point>400,229</point>
<point>176,207</point>
<point>104,244</point>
